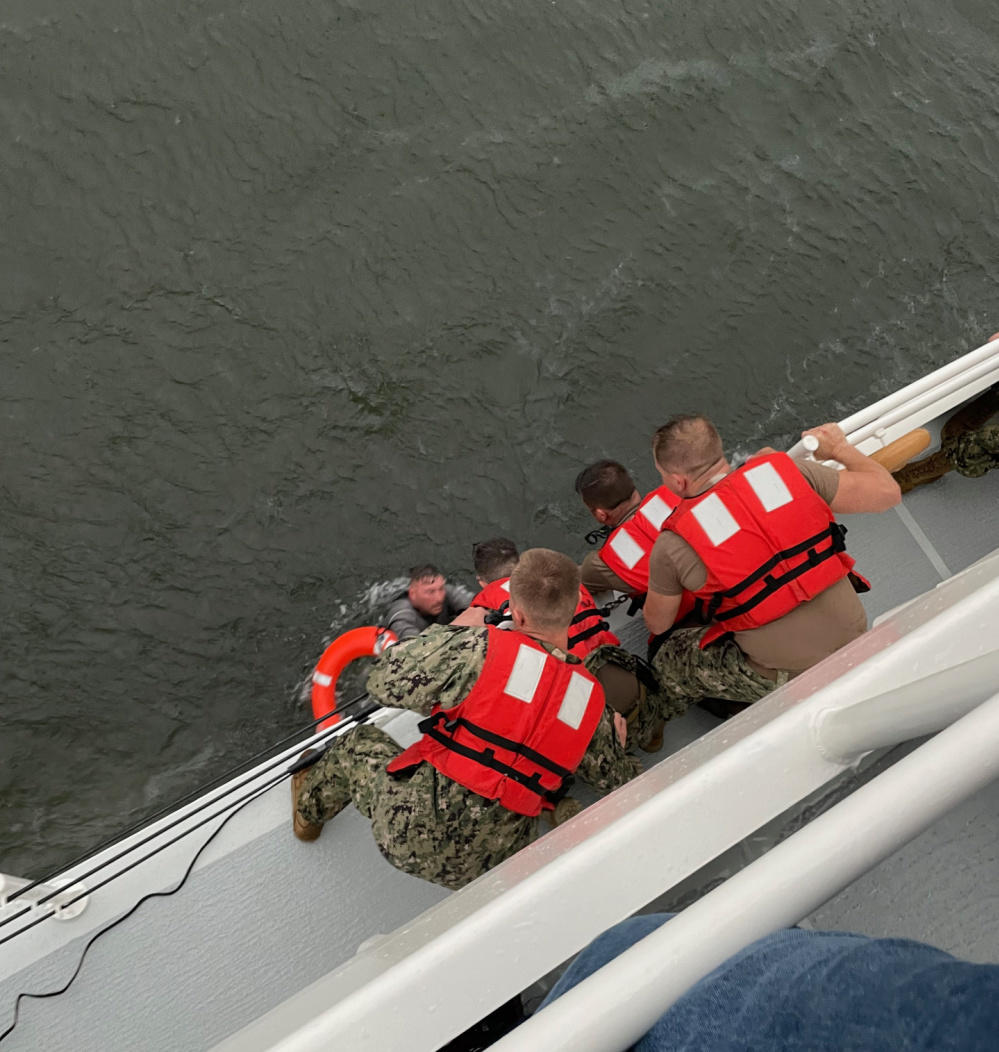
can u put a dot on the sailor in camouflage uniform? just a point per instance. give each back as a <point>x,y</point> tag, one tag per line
<point>969,444</point>
<point>424,822</point>
<point>976,452</point>
<point>630,685</point>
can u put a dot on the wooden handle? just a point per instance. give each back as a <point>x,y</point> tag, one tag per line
<point>902,450</point>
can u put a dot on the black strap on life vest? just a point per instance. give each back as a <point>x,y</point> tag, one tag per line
<point>432,727</point>
<point>599,625</point>
<point>835,533</point>
<point>497,617</point>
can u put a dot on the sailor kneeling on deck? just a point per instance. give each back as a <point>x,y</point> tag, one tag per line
<point>629,524</point>
<point>759,548</point>
<point>511,716</point>
<point>628,682</point>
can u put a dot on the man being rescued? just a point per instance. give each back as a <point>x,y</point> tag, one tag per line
<point>759,548</point>
<point>510,717</point>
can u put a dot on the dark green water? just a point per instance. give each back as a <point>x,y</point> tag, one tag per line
<point>295,296</point>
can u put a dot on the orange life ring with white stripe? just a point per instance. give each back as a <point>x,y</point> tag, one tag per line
<point>367,641</point>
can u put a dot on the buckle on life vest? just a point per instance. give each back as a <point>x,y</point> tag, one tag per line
<point>860,584</point>
<point>838,533</point>
<point>598,536</point>
<point>429,725</point>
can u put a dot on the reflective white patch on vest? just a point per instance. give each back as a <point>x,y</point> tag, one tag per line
<point>715,519</point>
<point>626,549</point>
<point>767,484</point>
<point>656,511</point>
<point>526,673</point>
<point>506,585</point>
<point>575,701</point>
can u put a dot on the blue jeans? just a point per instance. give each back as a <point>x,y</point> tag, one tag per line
<point>799,990</point>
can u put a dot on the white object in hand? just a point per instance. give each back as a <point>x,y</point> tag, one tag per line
<point>810,442</point>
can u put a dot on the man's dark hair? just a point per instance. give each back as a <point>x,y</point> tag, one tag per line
<point>605,484</point>
<point>494,558</point>
<point>425,572</point>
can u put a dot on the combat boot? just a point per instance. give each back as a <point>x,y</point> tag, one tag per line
<point>568,807</point>
<point>307,831</point>
<point>652,734</point>
<point>967,419</point>
<point>919,472</point>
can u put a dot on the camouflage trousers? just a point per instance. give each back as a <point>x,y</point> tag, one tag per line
<point>975,452</point>
<point>647,705</point>
<point>423,823</point>
<point>688,673</point>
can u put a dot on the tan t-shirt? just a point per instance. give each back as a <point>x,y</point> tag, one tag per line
<point>596,575</point>
<point>599,577</point>
<point>796,641</point>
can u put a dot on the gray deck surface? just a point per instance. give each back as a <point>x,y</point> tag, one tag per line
<point>942,887</point>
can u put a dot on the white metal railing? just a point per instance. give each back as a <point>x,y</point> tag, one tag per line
<point>612,1008</point>
<point>922,400</point>
<point>911,711</point>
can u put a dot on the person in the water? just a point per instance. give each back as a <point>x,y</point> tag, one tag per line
<point>427,600</point>
<point>512,715</point>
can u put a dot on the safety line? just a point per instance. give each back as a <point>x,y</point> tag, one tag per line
<point>332,732</point>
<point>206,787</point>
<point>118,920</point>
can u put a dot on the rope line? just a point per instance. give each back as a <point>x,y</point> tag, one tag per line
<point>330,733</point>
<point>151,895</point>
<point>193,795</point>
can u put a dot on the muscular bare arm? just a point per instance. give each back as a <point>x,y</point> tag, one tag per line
<point>660,611</point>
<point>864,485</point>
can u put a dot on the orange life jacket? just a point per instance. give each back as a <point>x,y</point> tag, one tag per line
<point>768,540</point>
<point>587,630</point>
<point>626,550</point>
<point>521,730</point>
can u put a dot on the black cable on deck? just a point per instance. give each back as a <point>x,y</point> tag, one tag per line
<point>151,895</point>
<point>193,795</point>
<point>332,732</point>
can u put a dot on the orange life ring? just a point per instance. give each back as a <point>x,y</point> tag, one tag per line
<point>367,641</point>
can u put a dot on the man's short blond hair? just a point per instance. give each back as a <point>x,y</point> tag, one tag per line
<point>687,445</point>
<point>544,586</point>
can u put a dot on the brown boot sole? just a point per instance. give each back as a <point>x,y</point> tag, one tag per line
<point>919,472</point>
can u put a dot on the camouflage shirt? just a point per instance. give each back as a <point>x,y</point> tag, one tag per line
<point>440,667</point>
